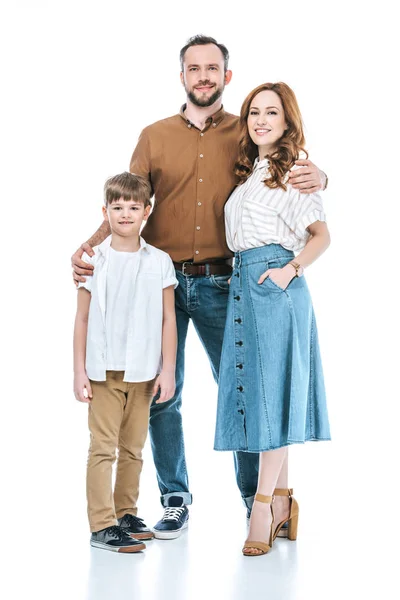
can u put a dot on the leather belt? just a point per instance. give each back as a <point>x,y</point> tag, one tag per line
<point>198,269</point>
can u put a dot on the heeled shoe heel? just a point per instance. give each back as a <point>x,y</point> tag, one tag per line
<point>292,521</point>
<point>292,528</point>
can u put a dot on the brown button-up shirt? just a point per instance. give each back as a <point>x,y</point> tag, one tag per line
<point>191,173</point>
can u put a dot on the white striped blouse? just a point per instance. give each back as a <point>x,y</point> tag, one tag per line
<point>256,215</point>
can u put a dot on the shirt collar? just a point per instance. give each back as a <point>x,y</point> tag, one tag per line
<point>214,120</point>
<point>105,245</point>
<point>260,164</point>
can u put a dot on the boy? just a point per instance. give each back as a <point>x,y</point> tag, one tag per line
<point>125,324</point>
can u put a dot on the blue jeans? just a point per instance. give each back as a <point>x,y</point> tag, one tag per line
<point>204,300</point>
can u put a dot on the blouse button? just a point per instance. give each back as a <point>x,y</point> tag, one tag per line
<point>202,134</point>
<point>197,252</point>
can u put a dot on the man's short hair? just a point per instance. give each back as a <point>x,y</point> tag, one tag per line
<point>129,187</point>
<point>202,40</point>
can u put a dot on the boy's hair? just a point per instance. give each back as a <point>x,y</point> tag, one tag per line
<point>202,40</point>
<point>129,187</point>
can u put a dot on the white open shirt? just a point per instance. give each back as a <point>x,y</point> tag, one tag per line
<point>151,273</point>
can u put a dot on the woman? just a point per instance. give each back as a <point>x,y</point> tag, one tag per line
<point>271,389</point>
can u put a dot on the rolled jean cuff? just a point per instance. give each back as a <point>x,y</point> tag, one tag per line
<point>186,496</point>
<point>248,502</point>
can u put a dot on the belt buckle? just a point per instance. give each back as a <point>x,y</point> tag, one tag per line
<point>184,267</point>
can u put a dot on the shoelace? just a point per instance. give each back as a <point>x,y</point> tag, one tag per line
<point>172,513</point>
<point>117,532</point>
<point>133,521</point>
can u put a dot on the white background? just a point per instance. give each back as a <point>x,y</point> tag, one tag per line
<point>79,82</point>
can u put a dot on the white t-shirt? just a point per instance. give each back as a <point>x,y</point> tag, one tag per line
<point>256,215</point>
<point>118,306</point>
<point>126,311</point>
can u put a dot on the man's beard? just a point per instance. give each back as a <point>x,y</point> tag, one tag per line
<point>203,102</point>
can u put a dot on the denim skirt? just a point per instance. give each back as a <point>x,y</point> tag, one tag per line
<point>271,386</point>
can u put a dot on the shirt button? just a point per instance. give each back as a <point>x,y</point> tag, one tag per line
<point>198,227</point>
<point>201,155</point>
<point>189,125</point>
<point>199,204</point>
<point>201,181</point>
<point>214,124</point>
<point>197,252</point>
<point>202,134</point>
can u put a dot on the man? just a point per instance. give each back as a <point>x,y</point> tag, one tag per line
<point>189,161</point>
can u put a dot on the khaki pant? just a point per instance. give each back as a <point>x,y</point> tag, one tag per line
<point>118,418</point>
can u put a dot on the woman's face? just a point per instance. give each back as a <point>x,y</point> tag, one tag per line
<point>266,121</point>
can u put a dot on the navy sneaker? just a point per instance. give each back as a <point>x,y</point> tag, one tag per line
<point>116,539</point>
<point>174,521</point>
<point>135,527</point>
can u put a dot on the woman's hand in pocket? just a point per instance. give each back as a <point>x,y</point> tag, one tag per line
<point>281,277</point>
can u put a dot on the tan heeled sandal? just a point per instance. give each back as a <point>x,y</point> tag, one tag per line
<point>291,531</point>
<point>263,547</point>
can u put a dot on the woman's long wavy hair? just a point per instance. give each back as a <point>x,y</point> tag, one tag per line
<point>288,147</point>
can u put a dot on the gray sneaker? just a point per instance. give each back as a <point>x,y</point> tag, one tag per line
<point>116,539</point>
<point>135,527</point>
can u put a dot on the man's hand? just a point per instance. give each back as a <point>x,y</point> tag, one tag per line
<point>79,266</point>
<point>82,388</point>
<point>165,382</point>
<point>308,179</point>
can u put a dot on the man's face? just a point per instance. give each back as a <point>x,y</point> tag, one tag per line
<point>203,74</point>
<point>126,216</point>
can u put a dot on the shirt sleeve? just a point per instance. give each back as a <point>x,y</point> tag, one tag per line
<point>141,160</point>
<point>300,210</point>
<point>89,278</point>
<point>169,276</point>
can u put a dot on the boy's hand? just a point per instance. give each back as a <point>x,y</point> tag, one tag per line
<point>79,266</point>
<point>82,388</point>
<point>166,383</point>
<point>308,179</point>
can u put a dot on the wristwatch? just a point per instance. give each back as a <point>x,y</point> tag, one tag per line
<point>297,267</point>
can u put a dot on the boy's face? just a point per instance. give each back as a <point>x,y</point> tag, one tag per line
<point>126,216</point>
